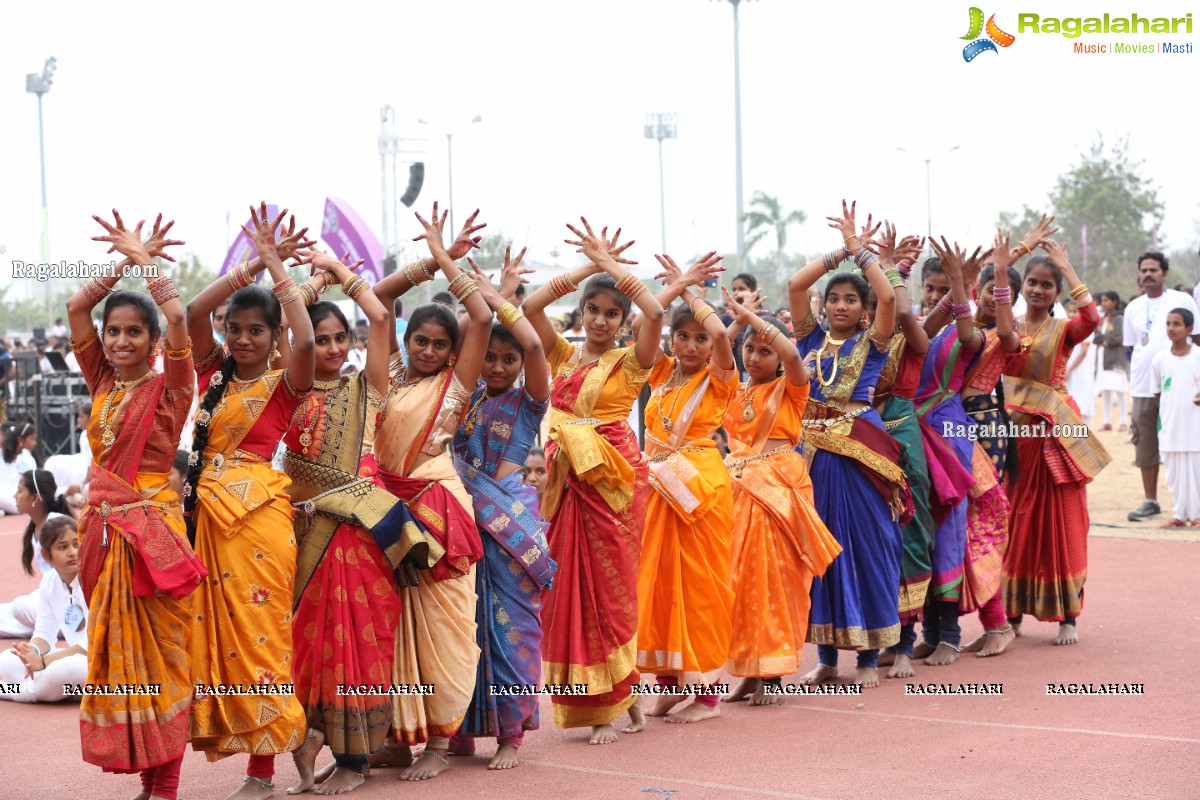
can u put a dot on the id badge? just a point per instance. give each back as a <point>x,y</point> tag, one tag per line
<point>74,618</point>
<point>1145,339</point>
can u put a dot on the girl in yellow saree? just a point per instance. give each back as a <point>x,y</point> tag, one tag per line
<point>240,516</point>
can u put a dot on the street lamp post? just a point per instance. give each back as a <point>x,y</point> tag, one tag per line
<point>929,188</point>
<point>661,126</point>
<point>450,167</point>
<point>39,85</point>
<point>737,128</point>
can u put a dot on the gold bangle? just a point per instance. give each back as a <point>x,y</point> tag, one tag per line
<point>353,287</point>
<point>465,293</point>
<point>458,286</point>
<point>309,293</point>
<point>509,315</point>
<point>1028,251</point>
<point>703,314</point>
<point>1079,291</point>
<point>561,286</point>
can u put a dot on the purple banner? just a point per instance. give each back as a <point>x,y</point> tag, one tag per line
<point>344,231</point>
<point>242,248</point>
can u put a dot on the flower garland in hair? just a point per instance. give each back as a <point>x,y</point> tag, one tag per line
<point>216,390</point>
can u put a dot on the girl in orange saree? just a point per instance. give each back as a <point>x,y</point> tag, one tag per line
<point>596,491</point>
<point>136,567</point>
<point>684,596</point>
<point>779,542</point>
<point>435,639</point>
<point>1046,563</point>
<point>239,513</point>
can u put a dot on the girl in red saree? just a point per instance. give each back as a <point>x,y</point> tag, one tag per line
<point>596,491</point>
<point>435,637</point>
<point>240,515</point>
<point>1046,563</point>
<point>136,567</point>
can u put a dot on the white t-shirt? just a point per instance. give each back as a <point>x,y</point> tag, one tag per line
<point>1146,333</point>
<point>54,601</point>
<point>1177,379</point>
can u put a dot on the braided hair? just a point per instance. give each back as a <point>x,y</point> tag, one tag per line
<point>41,483</point>
<point>251,297</point>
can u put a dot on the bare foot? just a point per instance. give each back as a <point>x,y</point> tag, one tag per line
<point>665,703</point>
<point>602,734</point>
<point>923,650</point>
<point>341,781</point>
<point>1066,634</point>
<point>1016,629</point>
<point>903,667</point>
<point>694,712</point>
<point>429,765</point>
<point>747,687</point>
<point>867,677</point>
<point>997,642</point>
<point>886,659</point>
<point>392,755</point>
<point>306,761</point>
<point>818,675</point>
<point>253,789</point>
<point>943,656</point>
<point>142,796</point>
<point>761,698</point>
<point>637,720</point>
<point>976,644</point>
<point>505,758</point>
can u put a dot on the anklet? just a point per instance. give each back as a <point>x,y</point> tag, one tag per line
<point>1005,629</point>
<point>436,755</point>
<point>261,782</point>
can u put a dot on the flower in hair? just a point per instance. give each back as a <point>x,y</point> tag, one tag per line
<point>193,458</point>
<point>216,378</point>
<point>187,490</point>
<point>203,417</point>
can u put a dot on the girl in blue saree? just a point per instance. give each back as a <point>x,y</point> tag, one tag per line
<point>490,450</point>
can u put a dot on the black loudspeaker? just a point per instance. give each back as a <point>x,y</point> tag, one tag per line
<point>416,179</point>
<point>58,426</point>
<point>389,265</point>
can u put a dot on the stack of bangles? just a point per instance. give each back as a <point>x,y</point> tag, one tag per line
<point>630,286</point>
<point>945,305</point>
<point>418,272</point>
<point>161,290</point>
<point>462,287</point>
<point>96,290</point>
<point>560,286</point>
<point>703,314</point>
<point>905,268</point>
<point>865,258</point>
<point>239,277</point>
<point>285,291</point>
<point>355,286</point>
<point>835,257</point>
<point>309,294</point>
<point>1080,295</point>
<point>960,310</point>
<point>767,336</point>
<point>894,277</point>
<point>1002,295</point>
<point>509,315</point>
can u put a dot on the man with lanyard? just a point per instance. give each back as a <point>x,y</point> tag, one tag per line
<point>1145,335</point>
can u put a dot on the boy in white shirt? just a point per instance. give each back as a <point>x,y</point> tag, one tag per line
<point>1176,379</point>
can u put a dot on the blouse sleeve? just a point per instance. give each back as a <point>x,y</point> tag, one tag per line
<point>724,381</point>
<point>46,626</point>
<point>216,354</point>
<point>97,371</point>
<point>661,371</point>
<point>797,393</point>
<point>560,354</point>
<point>635,374</point>
<point>1082,327</point>
<point>179,370</point>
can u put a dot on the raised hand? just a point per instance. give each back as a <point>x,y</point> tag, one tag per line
<point>705,268</point>
<point>756,301</point>
<point>122,240</point>
<point>593,246</point>
<point>884,246</point>
<point>741,313</point>
<point>484,282</point>
<point>868,232</point>
<point>910,248</point>
<point>264,231</point>
<point>952,258</point>
<point>158,241</point>
<point>974,264</point>
<point>1003,253</point>
<point>845,224</point>
<point>1056,252</point>
<point>433,231</point>
<point>1041,231</point>
<point>466,239</point>
<point>511,273</point>
<point>291,241</point>
<point>616,250</point>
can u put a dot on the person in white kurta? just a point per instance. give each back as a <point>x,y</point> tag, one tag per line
<point>1081,374</point>
<point>61,611</point>
<point>1175,373</point>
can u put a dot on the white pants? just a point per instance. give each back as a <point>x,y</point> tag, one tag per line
<point>45,686</point>
<point>1183,480</point>
<point>18,617</point>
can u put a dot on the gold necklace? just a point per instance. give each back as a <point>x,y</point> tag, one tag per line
<point>1027,340</point>
<point>748,412</point>
<point>236,379</point>
<point>667,422</point>
<point>568,373</point>
<point>107,437</point>
<point>837,343</point>
<point>472,416</point>
<point>330,388</point>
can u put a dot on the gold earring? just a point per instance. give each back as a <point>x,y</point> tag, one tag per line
<point>275,354</point>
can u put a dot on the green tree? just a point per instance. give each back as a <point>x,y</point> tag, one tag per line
<point>1107,192</point>
<point>189,275</point>
<point>765,217</point>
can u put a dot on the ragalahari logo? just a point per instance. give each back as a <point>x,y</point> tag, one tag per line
<point>995,36</point>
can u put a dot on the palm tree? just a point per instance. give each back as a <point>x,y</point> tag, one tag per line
<point>766,215</point>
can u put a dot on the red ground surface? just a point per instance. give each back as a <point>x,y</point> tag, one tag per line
<point>1140,625</point>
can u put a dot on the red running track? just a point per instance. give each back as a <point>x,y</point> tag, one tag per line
<point>1140,625</point>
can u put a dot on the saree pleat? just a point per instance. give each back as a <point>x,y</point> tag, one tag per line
<point>916,565</point>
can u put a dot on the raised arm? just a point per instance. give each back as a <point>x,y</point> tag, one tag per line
<point>537,370</point>
<point>1003,255</point>
<point>901,258</point>
<point>80,304</point>
<point>601,253</point>
<point>783,345</point>
<point>953,260</point>
<point>868,263</point>
<point>710,320</point>
<point>474,343</point>
<point>679,284</point>
<point>302,366</point>
<point>1088,319</point>
<point>421,270</point>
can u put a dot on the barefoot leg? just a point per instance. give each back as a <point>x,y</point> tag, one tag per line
<point>1066,633</point>
<point>944,655</point>
<point>818,675</point>
<point>306,761</point>
<point>997,641</point>
<point>743,691</point>
<point>603,734</point>
<point>342,780</point>
<point>433,761</point>
<point>867,677</point>
<point>767,692</point>
<point>694,712</point>
<point>664,704</point>
<point>253,789</point>
<point>505,758</point>
<point>902,668</point>
<point>637,720</point>
<point>393,754</point>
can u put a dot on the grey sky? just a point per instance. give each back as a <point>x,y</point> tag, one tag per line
<point>200,112</point>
